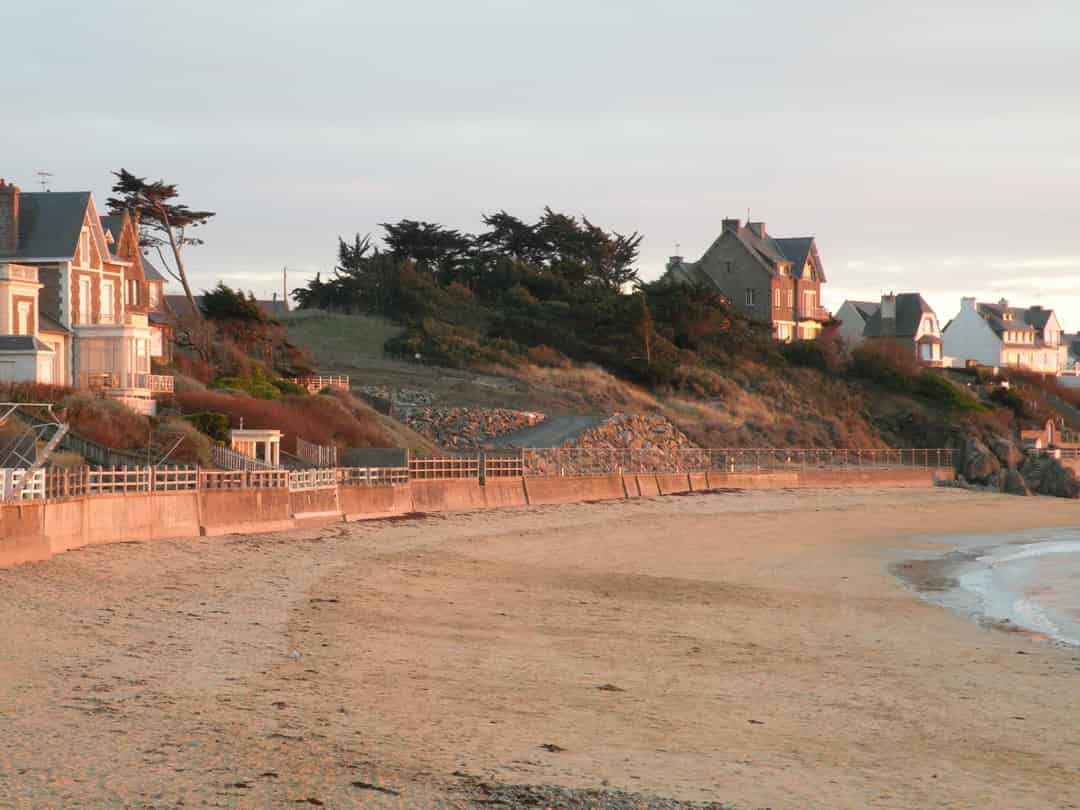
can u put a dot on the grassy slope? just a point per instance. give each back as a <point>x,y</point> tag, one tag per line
<point>759,406</point>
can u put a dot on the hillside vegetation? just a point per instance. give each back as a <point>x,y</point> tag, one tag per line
<point>556,307</point>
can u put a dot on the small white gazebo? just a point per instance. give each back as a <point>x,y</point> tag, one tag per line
<point>262,445</point>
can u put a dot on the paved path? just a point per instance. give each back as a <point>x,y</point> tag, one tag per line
<point>552,432</point>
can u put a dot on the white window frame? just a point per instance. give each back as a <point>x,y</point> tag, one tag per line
<point>108,294</point>
<point>22,311</point>
<point>86,299</point>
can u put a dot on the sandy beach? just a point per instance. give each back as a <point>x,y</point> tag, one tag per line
<point>746,648</point>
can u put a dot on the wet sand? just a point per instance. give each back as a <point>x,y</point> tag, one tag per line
<point>750,648</point>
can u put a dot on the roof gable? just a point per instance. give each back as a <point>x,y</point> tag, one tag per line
<point>50,223</point>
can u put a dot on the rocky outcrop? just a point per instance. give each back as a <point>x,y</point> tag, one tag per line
<point>1047,476</point>
<point>978,464</point>
<point>1014,483</point>
<point>1006,451</point>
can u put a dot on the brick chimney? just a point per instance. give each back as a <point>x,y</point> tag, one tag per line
<point>9,217</point>
<point>758,228</point>
<point>888,315</point>
<point>732,225</point>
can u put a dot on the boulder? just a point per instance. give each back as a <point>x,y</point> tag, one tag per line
<point>978,464</point>
<point>1014,483</point>
<point>1006,451</point>
<point>1047,476</point>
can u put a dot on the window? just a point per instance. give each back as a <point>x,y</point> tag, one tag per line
<point>750,296</point>
<point>729,266</point>
<point>84,248</point>
<point>791,297</point>
<point>776,298</point>
<point>154,290</point>
<point>22,320</point>
<point>84,300</point>
<point>108,303</point>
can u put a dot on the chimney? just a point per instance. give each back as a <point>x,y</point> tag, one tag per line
<point>758,228</point>
<point>732,225</point>
<point>1004,303</point>
<point>967,303</point>
<point>9,217</point>
<point>888,314</point>
<point>673,262</point>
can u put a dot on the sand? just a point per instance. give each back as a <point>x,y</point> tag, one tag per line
<point>750,648</point>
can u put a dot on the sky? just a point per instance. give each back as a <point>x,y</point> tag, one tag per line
<point>931,148</point>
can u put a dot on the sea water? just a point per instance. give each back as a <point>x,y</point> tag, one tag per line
<point>1030,581</point>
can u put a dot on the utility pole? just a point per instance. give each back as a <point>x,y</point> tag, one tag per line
<point>285,287</point>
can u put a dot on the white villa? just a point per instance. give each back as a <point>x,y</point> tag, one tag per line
<point>1000,335</point>
<point>75,298</point>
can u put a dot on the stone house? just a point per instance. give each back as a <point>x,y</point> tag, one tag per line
<point>903,318</point>
<point>1003,336</point>
<point>772,280</point>
<point>75,298</point>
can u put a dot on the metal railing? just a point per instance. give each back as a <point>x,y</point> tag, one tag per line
<point>563,461</point>
<point>228,459</point>
<point>313,479</point>
<point>138,380</point>
<point>444,467</point>
<point>372,476</point>
<point>65,483</point>
<point>317,455</point>
<point>315,384</point>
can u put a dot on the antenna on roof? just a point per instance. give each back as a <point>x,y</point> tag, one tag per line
<point>43,179</point>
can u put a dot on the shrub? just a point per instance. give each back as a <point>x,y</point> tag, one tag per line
<point>321,420</point>
<point>214,425</point>
<point>887,363</point>
<point>33,392</point>
<point>287,387</point>
<point>257,385</point>
<point>806,353</point>
<point>193,367</point>
<point>938,389</point>
<point>107,422</point>
<point>194,447</point>
<point>1008,398</point>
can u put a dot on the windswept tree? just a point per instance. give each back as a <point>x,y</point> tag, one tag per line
<point>440,251</point>
<point>163,221</point>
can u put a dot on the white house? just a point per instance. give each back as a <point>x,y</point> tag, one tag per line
<point>904,318</point>
<point>1004,336</point>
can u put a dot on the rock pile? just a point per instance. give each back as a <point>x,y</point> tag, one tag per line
<point>468,428</point>
<point>634,432</point>
<point>402,400</point>
<point>1000,464</point>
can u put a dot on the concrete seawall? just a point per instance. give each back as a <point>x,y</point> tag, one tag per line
<point>36,530</point>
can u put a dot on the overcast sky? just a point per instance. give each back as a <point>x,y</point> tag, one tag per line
<point>927,148</point>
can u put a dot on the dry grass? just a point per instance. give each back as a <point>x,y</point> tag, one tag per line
<point>398,433</point>
<point>107,422</point>
<point>340,342</point>
<point>318,419</point>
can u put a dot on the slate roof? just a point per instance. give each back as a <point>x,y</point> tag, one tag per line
<point>178,304</point>
<point>798,249</point>
<point>49,224</point>
<point>775,251</point>
<point>22,343</point>
<point>150,272</point>
<point>865,308</point>
<point>910,308</point>
<point>113,224</point>
<point>1032,319</point>
<point>48,324</point>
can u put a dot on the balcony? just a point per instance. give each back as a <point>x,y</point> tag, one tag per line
<point>18,272</point>
<point>106,381</point>
<point>815,314</point>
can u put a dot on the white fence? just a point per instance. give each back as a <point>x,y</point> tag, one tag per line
<point>316,454</point>
<point>10,477</point>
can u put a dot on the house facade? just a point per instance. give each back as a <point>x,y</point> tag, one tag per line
<point>1005,336</point>
<point>76,298</point>
<point>776,281</point>
<point>905,319</point>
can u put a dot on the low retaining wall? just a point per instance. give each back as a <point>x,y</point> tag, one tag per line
<point>244,511</point>
<point>367,503</point>
<point>22,533</point>
<point>544,491</point>
<point>35,530</point>
<point>447,496</point>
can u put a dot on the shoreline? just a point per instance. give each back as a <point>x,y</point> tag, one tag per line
<point>983,579</point>
<point>748,648</point>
